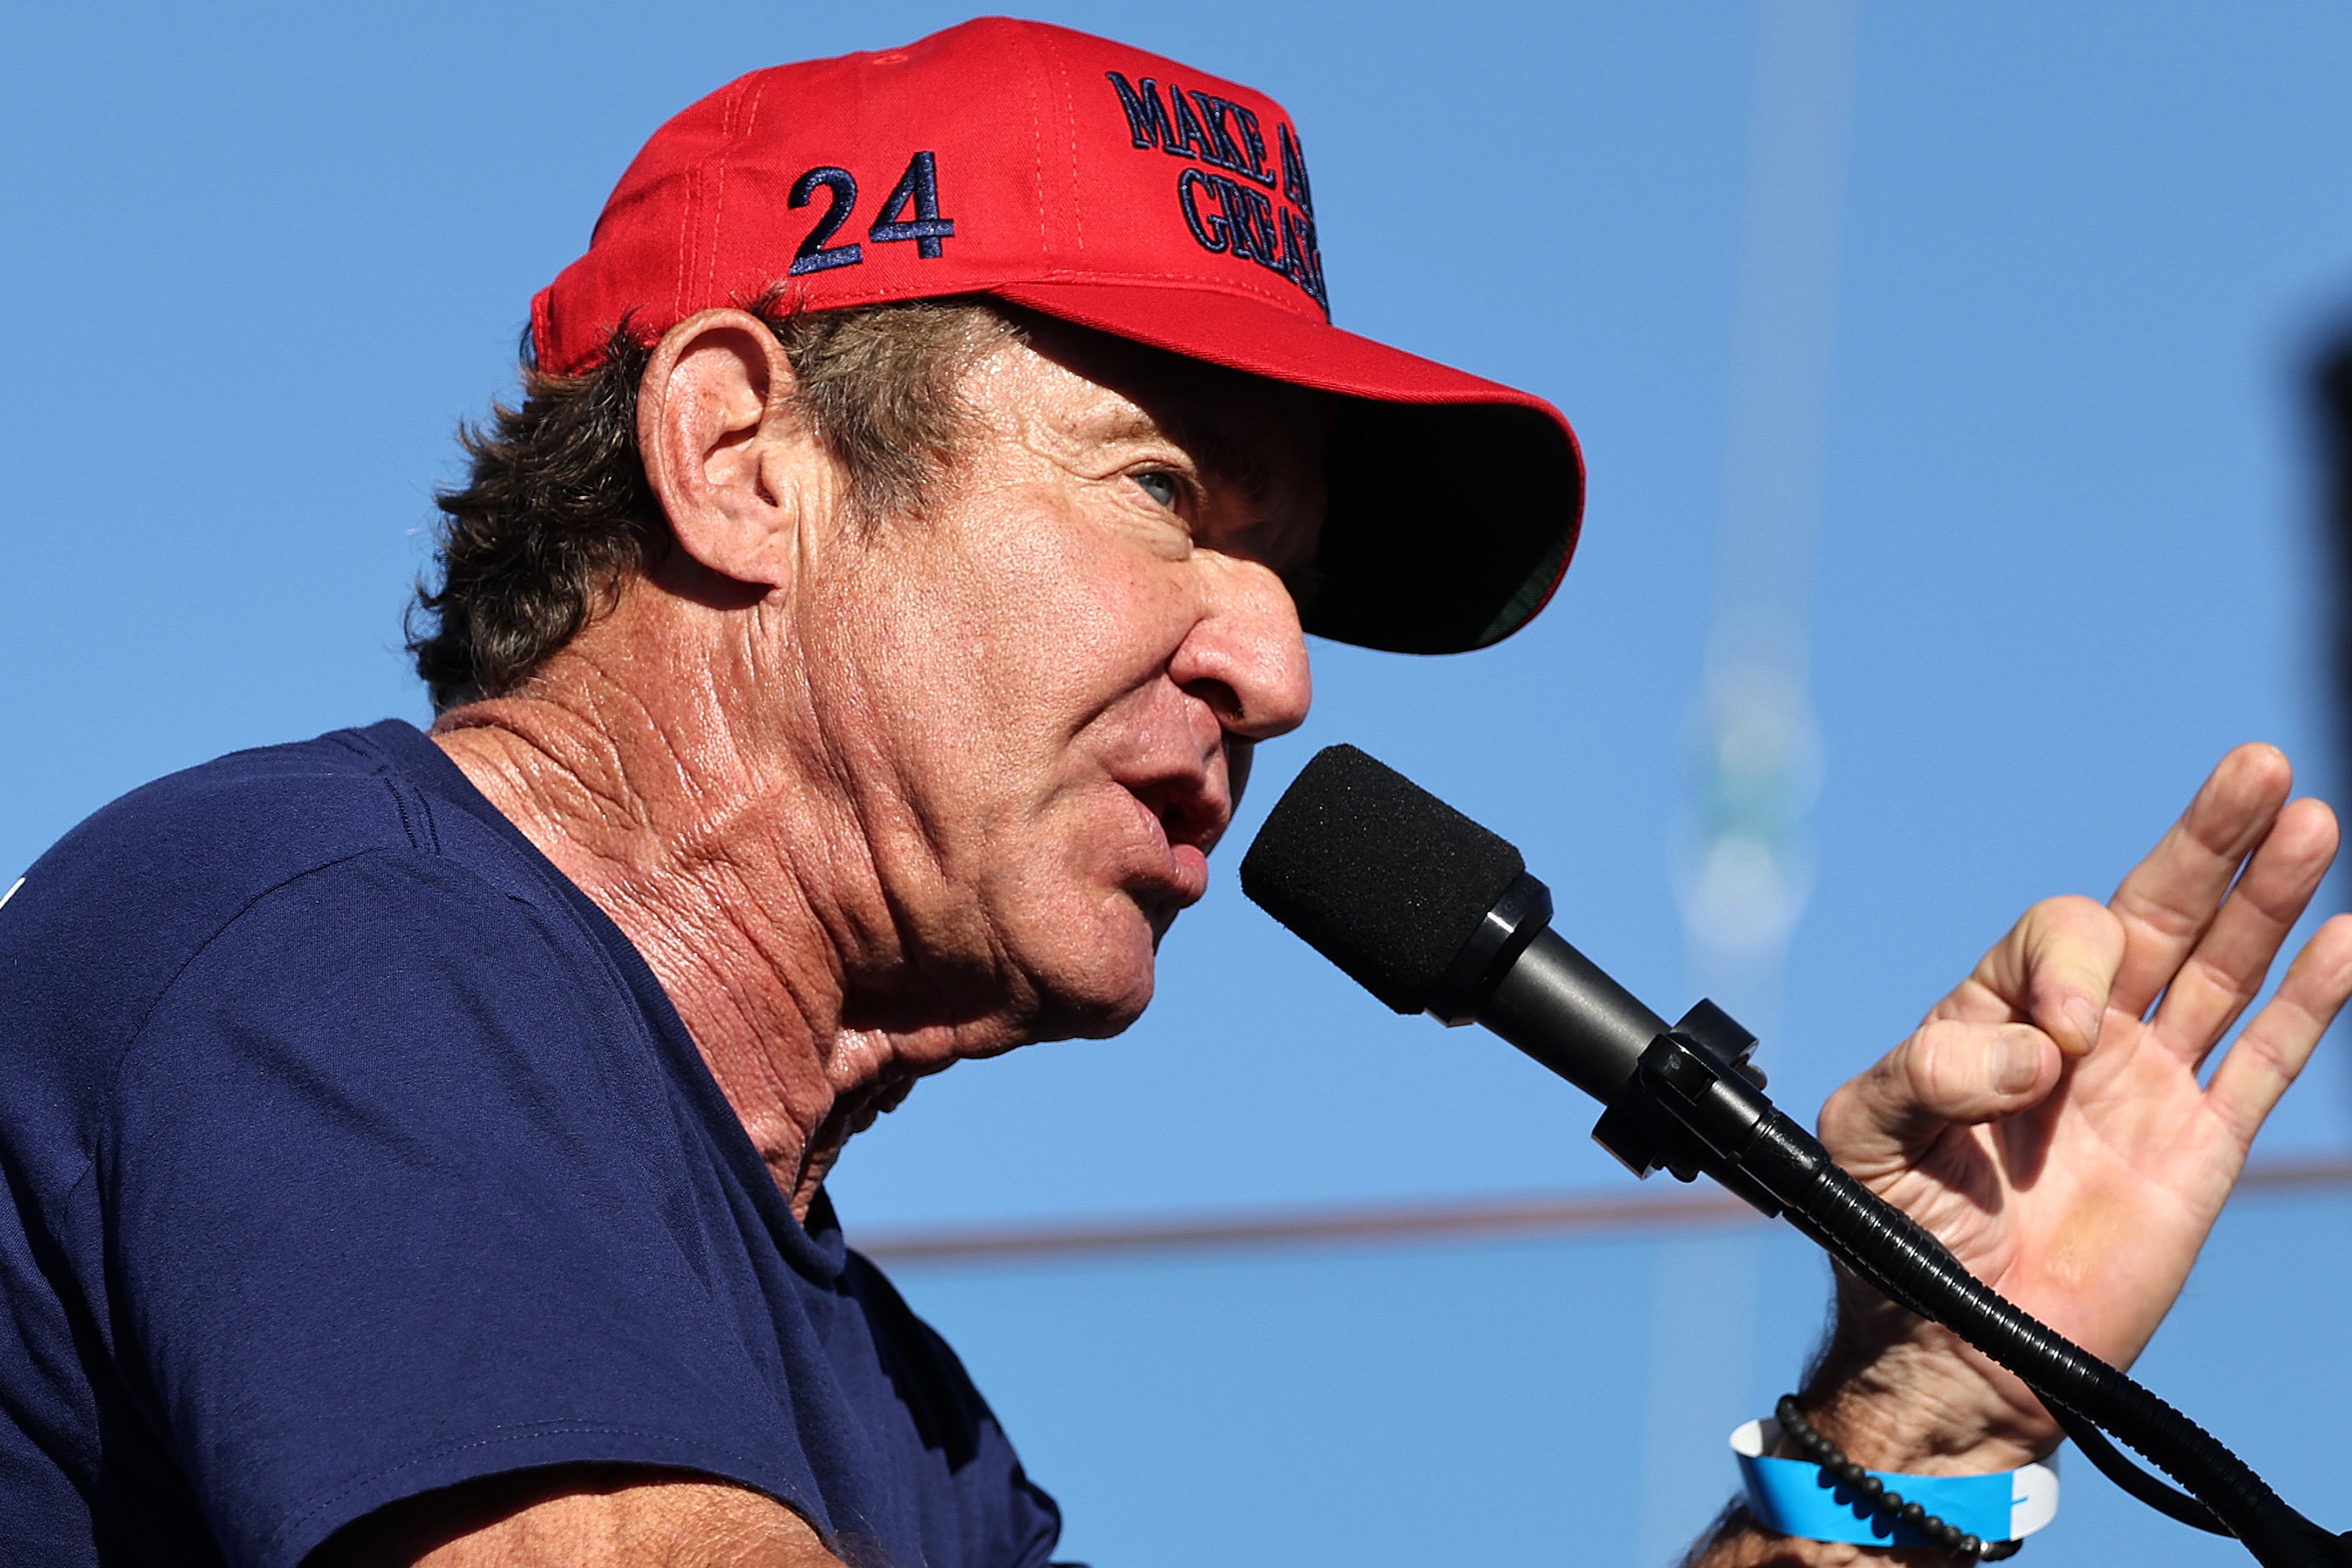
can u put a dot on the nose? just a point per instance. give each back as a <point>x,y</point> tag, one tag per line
<point>1246,657</point>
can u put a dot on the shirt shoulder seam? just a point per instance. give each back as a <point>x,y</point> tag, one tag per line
<point>146,1019</point>
<point>422,833</point>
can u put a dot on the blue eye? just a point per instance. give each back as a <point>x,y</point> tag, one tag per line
<point>1161,488</point>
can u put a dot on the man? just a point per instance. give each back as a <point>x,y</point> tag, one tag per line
<point>846,658</point>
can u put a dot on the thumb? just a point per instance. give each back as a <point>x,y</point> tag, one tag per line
<point>2055,967</point>
<point>1951,1072</point>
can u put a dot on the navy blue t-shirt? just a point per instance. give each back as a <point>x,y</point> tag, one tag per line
<point>352,1152</point>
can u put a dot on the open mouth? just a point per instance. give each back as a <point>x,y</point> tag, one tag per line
<point>1189,813</point>
<point>1188,820</point>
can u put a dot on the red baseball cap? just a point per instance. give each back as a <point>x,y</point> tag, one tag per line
<point>1119,190</point>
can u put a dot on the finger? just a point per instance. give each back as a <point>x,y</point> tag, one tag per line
<point>2226,970</point>
<point>2168,899</point>
<point>2055,967</point>
<point>2258,1069</point>
<point>1949,1071</point>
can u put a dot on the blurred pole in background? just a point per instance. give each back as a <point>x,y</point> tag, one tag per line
<point>2332,389</point>
<point>1743,862</point>
<point>2332,393</point>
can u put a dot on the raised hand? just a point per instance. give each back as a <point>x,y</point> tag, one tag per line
<point>2047,1122</point>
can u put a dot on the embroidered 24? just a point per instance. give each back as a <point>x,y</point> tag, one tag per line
<point>917,188</point>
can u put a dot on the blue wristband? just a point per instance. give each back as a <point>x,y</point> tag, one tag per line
<point>1797,1497</point>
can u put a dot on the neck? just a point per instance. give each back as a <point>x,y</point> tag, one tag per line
<point>698,851</point>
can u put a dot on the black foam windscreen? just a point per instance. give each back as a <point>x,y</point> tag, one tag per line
<point>1376,874</point>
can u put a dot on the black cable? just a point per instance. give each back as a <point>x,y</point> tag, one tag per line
<point>2104,1456</point>
<point>1759,1153</point>
<point>2117,1468</point>
<point>1430,911</point>
<point>1888,1249</point>
<point>1891,1505</point>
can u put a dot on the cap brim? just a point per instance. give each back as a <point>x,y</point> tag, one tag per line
<point>1455,501</point>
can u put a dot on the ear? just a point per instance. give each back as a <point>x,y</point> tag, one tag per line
<point>735,466</point>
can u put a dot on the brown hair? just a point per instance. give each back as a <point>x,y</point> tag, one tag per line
<point>556,513</point>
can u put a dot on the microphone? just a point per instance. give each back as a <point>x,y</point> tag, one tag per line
<point>1429,912</point>
<point>1433,912</point>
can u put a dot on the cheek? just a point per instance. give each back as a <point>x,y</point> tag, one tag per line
<point>993,658</point>
<point>1041,626</point>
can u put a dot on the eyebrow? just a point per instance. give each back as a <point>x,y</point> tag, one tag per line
<point>1211,445</point>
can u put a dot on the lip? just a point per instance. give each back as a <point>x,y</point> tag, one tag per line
<point>1182,874</point>
<point>1185,815</point>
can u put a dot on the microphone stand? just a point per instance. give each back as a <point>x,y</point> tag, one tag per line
<point>1694,1106</point>
<point>1383,878</point>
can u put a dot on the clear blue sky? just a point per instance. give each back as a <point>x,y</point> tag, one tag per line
<point>259,260</point>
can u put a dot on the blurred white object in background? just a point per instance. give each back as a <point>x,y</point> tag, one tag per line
<point>1743,855</point>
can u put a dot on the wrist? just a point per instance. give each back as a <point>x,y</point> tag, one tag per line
<point>1898,1393</point>
<point>1911,1432</point>
<point>1739,1542</point>
<point>1827,1496</point>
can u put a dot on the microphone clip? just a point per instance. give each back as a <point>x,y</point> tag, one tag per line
<point>1692,1106</point>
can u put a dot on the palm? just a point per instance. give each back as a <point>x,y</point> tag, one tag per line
<point>2123,1168</point>
<point>2088,1208</point>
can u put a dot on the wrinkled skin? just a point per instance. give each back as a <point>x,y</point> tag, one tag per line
<point>2046,1122</point>
<point>874,796</point>
<point>877,795</point>
<point>1082,637</point>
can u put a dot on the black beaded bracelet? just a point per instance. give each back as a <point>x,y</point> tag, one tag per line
<point>1872,1490</point>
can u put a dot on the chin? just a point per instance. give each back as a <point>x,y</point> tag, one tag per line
<point>1095,988</point>
<point>1100,1005</point>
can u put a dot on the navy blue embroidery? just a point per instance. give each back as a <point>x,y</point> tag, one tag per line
<point>813,255</point>
<point>1188,130</point>
<point>1147,118</point>
<point>1265,238</point>
<point>1225,216</point>
<point>1240,218</point>
<point>1302,261</point>
<point>1253,144</point>
<point>1246,224</point>
<point>1214,232</point>
<point>919,187</point>
<point>1293,171</point>
<point>1213,120</point>
<point>1215,114</point>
